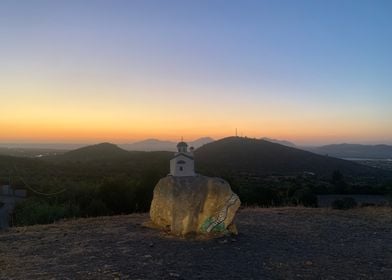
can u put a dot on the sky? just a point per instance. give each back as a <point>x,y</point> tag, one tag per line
<point>309,71</point>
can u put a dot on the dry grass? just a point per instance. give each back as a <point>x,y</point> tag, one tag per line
<point>274,243</point>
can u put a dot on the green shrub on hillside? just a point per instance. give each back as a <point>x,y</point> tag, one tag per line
<point>118,194</point>
<point>305,197</point>
<point>390,199</point>
<point>36,211</point>
<point>96,208</point>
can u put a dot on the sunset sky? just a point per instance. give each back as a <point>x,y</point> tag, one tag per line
<point>312,72</point>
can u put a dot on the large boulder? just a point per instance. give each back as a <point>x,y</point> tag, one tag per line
<point>197,204</point>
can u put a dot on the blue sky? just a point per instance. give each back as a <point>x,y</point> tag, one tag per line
<point>307,71</point>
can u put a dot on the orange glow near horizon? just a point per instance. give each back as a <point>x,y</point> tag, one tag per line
<point>93,128</point>
<point>99,111</point>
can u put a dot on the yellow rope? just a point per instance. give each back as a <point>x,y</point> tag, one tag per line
<point>33,190</point>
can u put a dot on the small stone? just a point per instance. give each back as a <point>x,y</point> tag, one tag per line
<point>232,228</point>
<point>172,274</point>
<point>308,263</point>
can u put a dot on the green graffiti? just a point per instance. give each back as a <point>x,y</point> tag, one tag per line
<point>210,221</point>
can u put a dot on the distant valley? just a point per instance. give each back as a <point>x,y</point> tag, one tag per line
<point>354,151</point>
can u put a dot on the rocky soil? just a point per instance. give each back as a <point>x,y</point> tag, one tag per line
<point>278,243</point>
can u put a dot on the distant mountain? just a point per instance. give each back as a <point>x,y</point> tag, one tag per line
<point>160,145</point>
<point>354,151</point>
<point>259,157</point>
<point>281,142</point>
<point>95,152</point>
<point>200,142</point>
<point>150,145</point>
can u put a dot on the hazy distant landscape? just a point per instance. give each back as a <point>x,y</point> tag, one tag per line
<point>378,156</point>
<point>345,151</point>
<point>105,179</point>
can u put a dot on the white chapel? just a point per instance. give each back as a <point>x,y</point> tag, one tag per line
<point>182,164</point>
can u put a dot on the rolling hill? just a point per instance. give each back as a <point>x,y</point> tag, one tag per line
<point>260,157</point>
<point>229,156</point>
<point>106,151</point>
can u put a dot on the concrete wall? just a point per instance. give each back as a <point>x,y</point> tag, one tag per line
<point>20,193</point>
<point>6,190</point>
<point>7,209</point>
<point>4,216</point>
<point>186,169</point>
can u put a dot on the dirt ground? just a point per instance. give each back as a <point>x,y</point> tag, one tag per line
<point>275,243</point>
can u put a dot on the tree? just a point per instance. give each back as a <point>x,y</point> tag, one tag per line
<point>339,182</point>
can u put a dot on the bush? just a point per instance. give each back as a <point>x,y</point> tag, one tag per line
<point>258,196</point>
<point>368,204</point>
<point>34,211</point>
<point>304,197</point>
<point>390,199</point>
<point>39,211</point>
<point>118,194</point>
<point>96,208</point>
<point>344,203</point>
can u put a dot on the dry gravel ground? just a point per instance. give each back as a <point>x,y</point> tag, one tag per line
<point>278,243</point>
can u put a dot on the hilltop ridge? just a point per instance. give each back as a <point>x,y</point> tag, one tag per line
<point>262,157</point>
<point>96,152</point>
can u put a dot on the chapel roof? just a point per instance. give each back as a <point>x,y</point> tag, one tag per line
<point>182,144</point>
<point>182,154</point>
